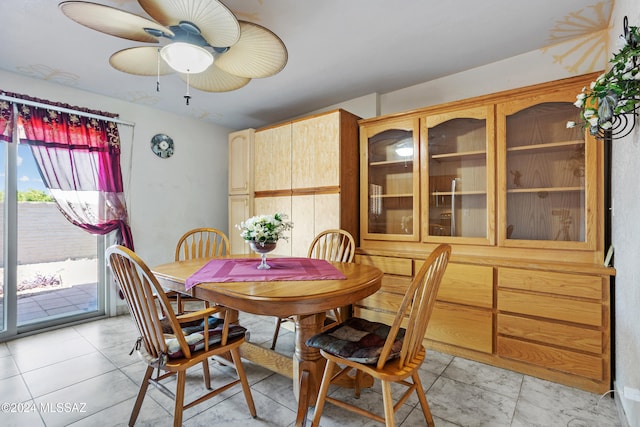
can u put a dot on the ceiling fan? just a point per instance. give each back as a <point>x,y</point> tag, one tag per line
<point>205,42</point>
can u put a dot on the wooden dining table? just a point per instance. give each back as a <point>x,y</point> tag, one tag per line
<point>306,301</point>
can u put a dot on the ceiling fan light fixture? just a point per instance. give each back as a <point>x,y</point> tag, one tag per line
<point>186,58</point>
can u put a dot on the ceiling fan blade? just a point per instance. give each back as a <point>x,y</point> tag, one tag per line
<point>259,53</point>
<point>215,80</point>
<point>112,21</point>
<point>217,24</point>
<point>142,61</point>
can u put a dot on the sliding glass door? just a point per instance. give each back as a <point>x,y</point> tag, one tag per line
<point>52,271</point>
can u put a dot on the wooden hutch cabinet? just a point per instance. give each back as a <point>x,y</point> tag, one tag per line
<point>520,198</point>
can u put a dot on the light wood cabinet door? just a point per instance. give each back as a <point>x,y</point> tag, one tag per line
<point>547,174</point>
<point>459,179</point>
<point>389,187</point>
<point>273,159</point>
<point>315,152</point>
<point>240,208</point>
<point>269,206</point>
<point>241,162</point>
<point>327,212</point>
<point>302,216</point>
<point>310,215</point>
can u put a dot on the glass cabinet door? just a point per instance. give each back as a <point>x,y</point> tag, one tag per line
<point>547,200</point>
<point>389,189</point>
<point>460,181</point>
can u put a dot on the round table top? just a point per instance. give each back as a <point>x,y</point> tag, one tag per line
<point>280,298</point>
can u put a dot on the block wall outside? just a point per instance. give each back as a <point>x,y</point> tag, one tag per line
<point>45,235</point>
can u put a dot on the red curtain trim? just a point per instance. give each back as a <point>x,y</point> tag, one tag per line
<point>59,104</point>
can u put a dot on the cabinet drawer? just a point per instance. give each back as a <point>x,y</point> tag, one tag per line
<point>395,284</point>
<point>550,307</point>
<point>551,358</point>
<point>575,285</point>
<point>467,284</point>
<point>461,326</point>
<point>562,335</point>
<point>388,265</point>
<point>464,327</point>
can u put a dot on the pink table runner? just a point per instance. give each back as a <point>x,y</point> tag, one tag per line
<point>244,270</point>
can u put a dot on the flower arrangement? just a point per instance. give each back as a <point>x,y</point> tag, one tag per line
<point>265,228</point>
<point>616,92</point>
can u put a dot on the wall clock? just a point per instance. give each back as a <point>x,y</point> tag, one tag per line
<point>162,145</point>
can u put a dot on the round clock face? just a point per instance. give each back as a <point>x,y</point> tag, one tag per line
<point>162,145</point>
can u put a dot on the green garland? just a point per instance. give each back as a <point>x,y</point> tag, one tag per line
<point>615,92</point>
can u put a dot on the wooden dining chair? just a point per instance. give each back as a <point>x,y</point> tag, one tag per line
<point>171,344</point>
<point>388,353</point>
<point>334,245</point>
<point>198,243</point>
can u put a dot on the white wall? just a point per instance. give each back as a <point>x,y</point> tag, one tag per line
<point>626,241</point>
<point>165,197</point>
<point>559,61</point>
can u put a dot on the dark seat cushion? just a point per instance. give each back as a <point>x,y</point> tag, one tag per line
<point>195,340</point>
<point>358,340</point>
<point>190,327</point>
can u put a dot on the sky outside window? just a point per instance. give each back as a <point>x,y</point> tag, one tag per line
<point>28,175</point>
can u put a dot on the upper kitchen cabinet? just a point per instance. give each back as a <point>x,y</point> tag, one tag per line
<point>272,165</point>
<point>308,169</point>
<point>548,176</point>
<point>458,183</point>
<point>389,188</point>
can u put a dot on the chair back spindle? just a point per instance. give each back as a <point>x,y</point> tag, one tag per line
<point>202,243</point>
<point>146,300</point>
<point>333,245</point>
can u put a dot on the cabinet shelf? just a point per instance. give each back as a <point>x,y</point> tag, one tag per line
<point>545,189</point>
<point>478,154</point>
<point>402,162</point>
<point>547,147</point>
<point>388,196</point>
<point>459,193</point>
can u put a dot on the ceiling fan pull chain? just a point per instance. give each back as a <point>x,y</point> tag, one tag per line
<point>187,96</point>
<point>158,75</point>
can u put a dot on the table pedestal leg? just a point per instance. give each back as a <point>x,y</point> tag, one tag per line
<point>308,364</point>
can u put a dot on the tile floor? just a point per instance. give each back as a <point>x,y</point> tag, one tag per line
<point>83,375</point>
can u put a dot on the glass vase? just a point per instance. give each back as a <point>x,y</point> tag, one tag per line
<point>262,248</point>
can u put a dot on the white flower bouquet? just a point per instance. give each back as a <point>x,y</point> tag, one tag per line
<point>265,228</point>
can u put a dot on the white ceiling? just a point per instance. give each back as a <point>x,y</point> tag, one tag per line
<point>338,49</point>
